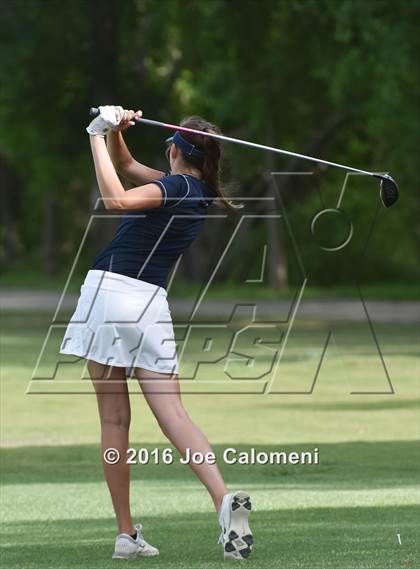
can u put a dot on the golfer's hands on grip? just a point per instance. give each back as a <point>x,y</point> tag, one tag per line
<point>126,118</point>
<point>113,118</point>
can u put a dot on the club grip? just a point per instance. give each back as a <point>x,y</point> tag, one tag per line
<point>94,112</point>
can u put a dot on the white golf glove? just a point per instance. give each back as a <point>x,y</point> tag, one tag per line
<point>109,117</point>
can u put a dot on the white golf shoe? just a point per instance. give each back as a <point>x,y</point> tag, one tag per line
<point>128,548</point>
<point>236,536</point>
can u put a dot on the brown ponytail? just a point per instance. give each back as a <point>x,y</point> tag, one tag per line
<point>210,165</point>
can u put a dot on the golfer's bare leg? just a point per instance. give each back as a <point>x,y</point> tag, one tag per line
<point>163,396</point>
<point>114,412</point>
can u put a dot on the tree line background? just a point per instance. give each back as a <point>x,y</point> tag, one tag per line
<point>334,78</point>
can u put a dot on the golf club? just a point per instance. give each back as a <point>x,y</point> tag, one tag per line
<point>388,189</point>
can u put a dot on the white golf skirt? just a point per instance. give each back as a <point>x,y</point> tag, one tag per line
<point>123,322</point>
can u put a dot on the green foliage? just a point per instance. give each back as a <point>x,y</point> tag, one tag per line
<point>334,79</point>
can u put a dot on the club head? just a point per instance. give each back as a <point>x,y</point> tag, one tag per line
<point>388,190</point>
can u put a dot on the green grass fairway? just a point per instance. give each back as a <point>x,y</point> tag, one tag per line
<point>344,513</point>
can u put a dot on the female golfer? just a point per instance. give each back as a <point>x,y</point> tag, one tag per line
<point>122,324</point>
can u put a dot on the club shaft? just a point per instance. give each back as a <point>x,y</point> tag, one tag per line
<point>253,145</point>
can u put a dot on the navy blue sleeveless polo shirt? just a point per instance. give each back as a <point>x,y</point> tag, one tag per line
<point>148,242</point>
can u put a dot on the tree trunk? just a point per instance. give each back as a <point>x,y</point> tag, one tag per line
<point>277,266</point>
<point>10,193</point>
<point>49,234</point>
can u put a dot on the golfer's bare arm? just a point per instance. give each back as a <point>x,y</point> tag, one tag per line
<point>146,196</point>
<point>126,165</point>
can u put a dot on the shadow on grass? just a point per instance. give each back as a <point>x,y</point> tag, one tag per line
<point>353,403</point>
<point>352,465</point>
<point>319,538</point>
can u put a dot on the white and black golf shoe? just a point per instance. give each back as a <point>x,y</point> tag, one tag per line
<point>236,536</point>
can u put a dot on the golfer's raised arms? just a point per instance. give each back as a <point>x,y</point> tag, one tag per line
<point>112,191</point>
